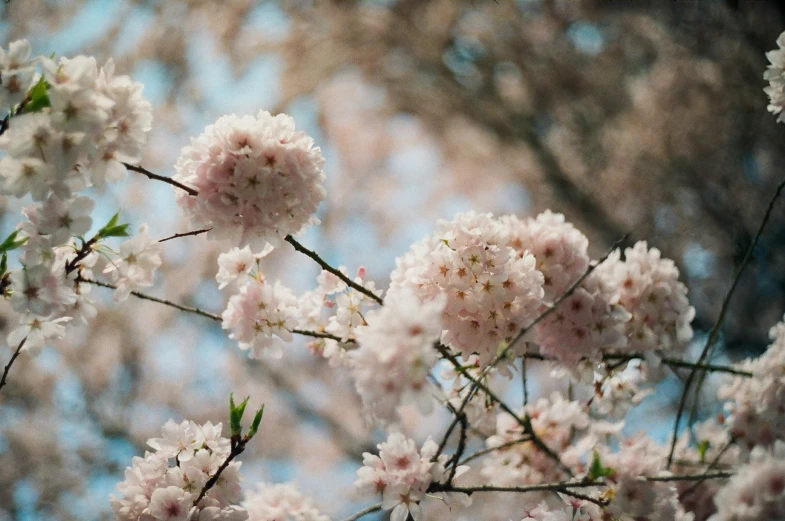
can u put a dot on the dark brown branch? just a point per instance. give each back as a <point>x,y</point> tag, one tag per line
<point>321,262</point>
<point>11,362</point>
<point>238,446</point>
<point>168,180</point>
<point>319,334</point>
<point>143,296</point>
<point>565,485</point>
<point>524,422</point>
<point>718,324</point>
<point>185,234</point>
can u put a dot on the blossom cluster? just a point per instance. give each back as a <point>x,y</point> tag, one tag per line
<point>396,354</point>
<point>757,490</point>
<point>258,179</point>
<point>402,475</point>
<point>74,124</point>
<point>775,75</point>
<point>165,484</point>
<point>280,502</point>
<point>491,291</point>
<point>756,414</point>
<point>519,461</point>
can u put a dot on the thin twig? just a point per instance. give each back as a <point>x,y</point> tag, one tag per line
<point>712,465</point>
<point>83,252</point>
<point>488,450</point>
<point>185,234</point>
<point>455,458</point>
<point>144,296</point>
<point>321,262</point>
<point>167,180</point>
<point>718,324</point>
<point>319,334</point>
<point>238,446</point>
<point>365,511</point>
<point>524,422</point>
<point>552,308</point>
<point>11,362</point>
<point>565,485</point>
<point>199,311</point>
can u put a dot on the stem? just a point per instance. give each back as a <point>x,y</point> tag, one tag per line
<point>11,362</point>
<point>83,252</point>
<point>318,334</point>
<point>238,446</point>
<point>718,324</point>
<point>321,262</point>
<point>143,296</point>
<point>488,450</point>
<point>365,511</point>
<point>524,422</point>
<point>185,234</point>
<point>167,180</point>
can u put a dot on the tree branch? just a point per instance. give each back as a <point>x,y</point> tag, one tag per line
<point>321,262</point>
<point>11,362</point>
<point>718,324</point>
<point>167,180</point>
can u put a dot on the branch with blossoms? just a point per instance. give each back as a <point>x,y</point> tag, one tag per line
<point>474,299</point>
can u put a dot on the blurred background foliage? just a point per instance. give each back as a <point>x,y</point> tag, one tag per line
<point>633,116</point>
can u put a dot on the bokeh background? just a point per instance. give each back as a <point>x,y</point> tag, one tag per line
<point>633,116</point>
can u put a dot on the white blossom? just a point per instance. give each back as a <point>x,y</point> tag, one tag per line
<point>258,179</point>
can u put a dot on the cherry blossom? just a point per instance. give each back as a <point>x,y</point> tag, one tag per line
<point>282,502</point>
<point>491,291</point>
<point>258,179</point>
<point>396,354</point>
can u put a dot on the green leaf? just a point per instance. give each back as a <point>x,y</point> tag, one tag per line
<point>10,243</point>
<point>3,264</point>
<point>38,96</point>
<point>703,447</point>
<point>236,415</point>
<point>257,419</point>
<point>112,229</point>
<point>596,470</point>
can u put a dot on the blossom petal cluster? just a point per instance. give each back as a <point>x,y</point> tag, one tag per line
<point>96,120</point>
<point>402,475</point>
<point>585,324</point>
<point>395,355</point>
<point>17,72</point>
<point>756,492</point>
<point>650,290</point>
<point>75,132</point>
<point>491,291</point>
<point>258,179</point>
<point>560,249</point>
<point>775,75</point>
<point>280,502</point>
<point>261,316</point>
<point>555,420</point>
<point>632,496</point>
<point>756,415</point>
<point>135,264</point>
<point>335,308</point>
<point>165,484</point>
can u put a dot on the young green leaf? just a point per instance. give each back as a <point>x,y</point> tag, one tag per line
<point>112,229</point>
<point>703,447</point>
<point>10,243</point>
<point>257,419</point>
<point>38,96</point>
<point>236,415</point>
<point>596,470</point>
